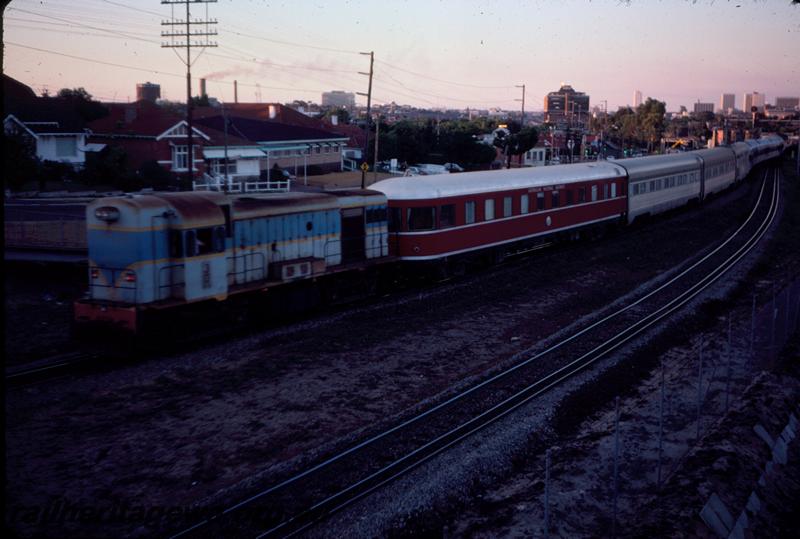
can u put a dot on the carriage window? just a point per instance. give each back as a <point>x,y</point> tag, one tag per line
<point>581,195</point>
<point>394,219</point>
<point>569,197</point>
<point>507,208</point>
<point>539,201</point>
<point>421,218</point>
<point>554,200</point>
<point>594,193</point>
<point>614,190</point>
<point>523,204</point>
<point>469,212</point>
<point>605,190</point>
<point>447,215</point>
<point>488,210</point>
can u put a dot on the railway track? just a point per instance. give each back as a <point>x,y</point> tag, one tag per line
<point>50,367</point>
<point>297,502</point>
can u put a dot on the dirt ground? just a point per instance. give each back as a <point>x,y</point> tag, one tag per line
<point>727,460</point>
<point>162,435</point>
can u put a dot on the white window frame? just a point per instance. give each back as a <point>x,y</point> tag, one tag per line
<point>488,209</point>
<point>180,152</point>
<point>469,212</point>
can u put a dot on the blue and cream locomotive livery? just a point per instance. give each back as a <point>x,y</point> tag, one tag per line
<point>161,250</point>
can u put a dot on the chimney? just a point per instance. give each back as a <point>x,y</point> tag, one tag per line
<point>236,91</point>
<point>202,87</point>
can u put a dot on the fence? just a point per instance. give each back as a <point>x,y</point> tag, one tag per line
<point>254,186</point>
<point>647,438</point>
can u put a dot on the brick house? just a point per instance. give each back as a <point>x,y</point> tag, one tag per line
<point>291,147</point>
<point>148,132</point>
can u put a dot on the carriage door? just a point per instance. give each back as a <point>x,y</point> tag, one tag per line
<point>352,235</point>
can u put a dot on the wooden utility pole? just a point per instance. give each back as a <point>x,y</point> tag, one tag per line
<point>522,118</point>
<point>369,112</point>
<point>188,33</point>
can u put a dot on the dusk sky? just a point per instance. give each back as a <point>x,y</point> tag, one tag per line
<point>450,53</point>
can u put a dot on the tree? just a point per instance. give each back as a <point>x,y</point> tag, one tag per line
<point>83,103</point>
<point>108,167</point>
<point>200,101</point>
<point>650,119</point>
<point>19,161</point>
<point>151,174</point>
<point>341,113</point>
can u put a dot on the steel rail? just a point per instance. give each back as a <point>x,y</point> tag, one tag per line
<point>460,396</point>
<point>532,391</point>
<point>47,367</point>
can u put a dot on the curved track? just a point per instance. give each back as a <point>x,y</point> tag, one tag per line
<point>301,500</point>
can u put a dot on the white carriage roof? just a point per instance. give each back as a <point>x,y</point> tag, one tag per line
<point>471,183</point>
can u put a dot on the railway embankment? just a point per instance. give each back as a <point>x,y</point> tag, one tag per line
<point>174,431</point>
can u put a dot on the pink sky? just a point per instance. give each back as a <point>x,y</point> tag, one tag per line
<point>453,53</point>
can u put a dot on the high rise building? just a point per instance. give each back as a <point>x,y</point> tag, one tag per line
<point>754,100</point>
<point>727,102</point>
<point>637,98</point>
<point>787,103</point>
<point>566,107</point>
<point>703,107</point>
<point>148,92</point>
<point>338,98</point>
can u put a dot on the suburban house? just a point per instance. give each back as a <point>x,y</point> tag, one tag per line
<point>290,147</point>
<point>148,132</point>
<point>278,113</point>
<point>55,139</point>
<point>536,156</point>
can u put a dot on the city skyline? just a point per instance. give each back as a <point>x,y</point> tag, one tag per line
<point>454,55</point>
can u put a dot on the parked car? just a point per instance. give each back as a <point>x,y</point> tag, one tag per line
<point>413,171</point>
<point>453,167</point>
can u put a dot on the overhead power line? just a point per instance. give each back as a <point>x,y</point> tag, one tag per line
<point>443,80</point>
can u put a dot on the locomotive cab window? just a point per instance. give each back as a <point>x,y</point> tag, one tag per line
<point>204,241</point>
<point>175,244</point>
<point>421,218</point>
